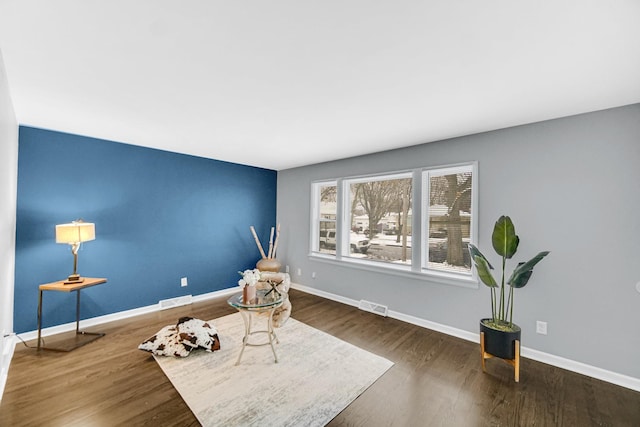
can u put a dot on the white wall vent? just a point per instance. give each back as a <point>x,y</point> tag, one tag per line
<point>372,307</point>
<point>175,302</point>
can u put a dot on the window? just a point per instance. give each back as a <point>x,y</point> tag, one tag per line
<point>374,222</point>
<point>325,212</point>
<point>379,218</point>
<point>447,214</point>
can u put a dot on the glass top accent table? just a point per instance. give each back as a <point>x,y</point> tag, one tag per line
<point>265,301</point>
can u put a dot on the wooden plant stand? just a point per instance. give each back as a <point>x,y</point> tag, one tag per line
<point>513,362</point>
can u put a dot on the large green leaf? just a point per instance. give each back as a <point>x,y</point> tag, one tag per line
<point>482,267</point>
<point>524,270</point>
<point>504,238</point>
<point>473,251</point>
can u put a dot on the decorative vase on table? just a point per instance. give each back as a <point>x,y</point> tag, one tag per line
<point>268,264</point>
<point>248,294</point>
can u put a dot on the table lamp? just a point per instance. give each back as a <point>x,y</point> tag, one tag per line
<point>74,234</point>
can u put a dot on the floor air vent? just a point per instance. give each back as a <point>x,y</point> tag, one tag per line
<point>373,307</point>
<point>175,302</point>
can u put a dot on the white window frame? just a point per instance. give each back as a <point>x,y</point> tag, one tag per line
<point>315,217</point>
<point>427,173</point>
<point>346,214</point>
<point>420,184</point>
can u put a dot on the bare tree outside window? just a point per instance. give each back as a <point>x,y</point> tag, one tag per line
<point>401,208</point>
<point>328,193</point>
<point>386,205</point>
<point>375,198</point>
<point>450,221</point>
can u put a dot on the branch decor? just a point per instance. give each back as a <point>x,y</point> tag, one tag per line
<point>268,261</point>
<point>273,246</point>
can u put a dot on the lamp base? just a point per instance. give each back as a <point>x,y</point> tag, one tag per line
<point>73,279</point>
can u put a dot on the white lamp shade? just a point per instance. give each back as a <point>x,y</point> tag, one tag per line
<point>75,232</point>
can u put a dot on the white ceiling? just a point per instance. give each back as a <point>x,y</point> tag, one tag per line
<point>285,83</point>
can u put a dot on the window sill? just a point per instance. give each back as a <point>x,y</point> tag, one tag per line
<point>396,270</point>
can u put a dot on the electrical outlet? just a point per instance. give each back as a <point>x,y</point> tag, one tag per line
<point>183,282</point>
<point>299,272</point>
<point>541,327</point>
<point>313,275</point>
<point>286,268</point>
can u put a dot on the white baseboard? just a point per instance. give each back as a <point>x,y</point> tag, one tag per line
<point>530,353</point>
<point>11,341</point>
<point>8,343</point>
<point>6,353</point>
<point>31,335</point>
<point>582,368</point>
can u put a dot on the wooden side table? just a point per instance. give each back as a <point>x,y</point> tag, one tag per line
<point>60,286</point>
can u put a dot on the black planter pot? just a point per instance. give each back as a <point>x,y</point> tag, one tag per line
<point>500,343</point>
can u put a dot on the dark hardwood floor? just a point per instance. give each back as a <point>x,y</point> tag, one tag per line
<point>436,379</point>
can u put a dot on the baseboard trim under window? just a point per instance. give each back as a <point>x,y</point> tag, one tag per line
<point>530,353</point>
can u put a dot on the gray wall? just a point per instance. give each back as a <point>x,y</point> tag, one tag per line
<point>8,185</point>
<point>571,186</point>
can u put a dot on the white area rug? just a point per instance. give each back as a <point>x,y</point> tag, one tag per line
<point>316,377</point>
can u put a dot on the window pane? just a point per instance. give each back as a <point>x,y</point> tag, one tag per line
<point>449,221</point>
<point>380,220</point>
<point>327,219</point>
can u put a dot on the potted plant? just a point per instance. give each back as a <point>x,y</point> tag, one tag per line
<point>500,333</point>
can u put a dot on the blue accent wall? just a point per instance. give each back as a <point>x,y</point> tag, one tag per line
<point>159,216</point>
